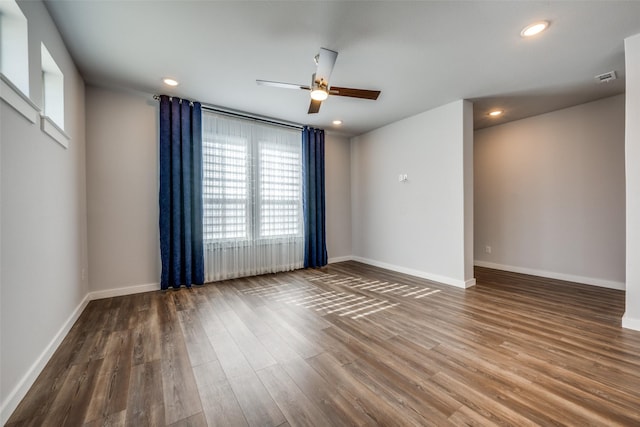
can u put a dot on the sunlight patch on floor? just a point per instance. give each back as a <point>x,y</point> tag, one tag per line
<point>341,302</point>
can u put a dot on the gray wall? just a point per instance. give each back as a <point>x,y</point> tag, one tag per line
<point>631,317</point>
<point>423,226</point>
<point>43,223</point>
<point>122,170</point>
<point>338,196</point>
<point>550,194</point>
<point>122,189</point>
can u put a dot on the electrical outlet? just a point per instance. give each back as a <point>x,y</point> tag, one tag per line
<point>487,249</point>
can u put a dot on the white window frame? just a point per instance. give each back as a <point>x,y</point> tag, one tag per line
<point>14,46</point>
<point>52,117</point>
<point>14,60</point>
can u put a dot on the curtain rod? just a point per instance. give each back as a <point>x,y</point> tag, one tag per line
<point>243,115</point>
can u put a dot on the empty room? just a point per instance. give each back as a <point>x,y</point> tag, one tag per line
<point>323,213</point>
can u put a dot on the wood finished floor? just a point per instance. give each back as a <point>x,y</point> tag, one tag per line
<point>348,344</point>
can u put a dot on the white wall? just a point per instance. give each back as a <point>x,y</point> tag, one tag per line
<point>631,317</point>
<point>549,194</point>
<point>423,226</point>
<point>43,223</point>
<point>122,187</point>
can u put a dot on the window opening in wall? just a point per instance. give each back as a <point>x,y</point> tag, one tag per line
<point>52,88</point>
<point>14,45</point>
<point>252,182</point>
<point>252,197</point>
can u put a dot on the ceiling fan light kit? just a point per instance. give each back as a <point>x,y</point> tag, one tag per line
<point>319,94</point>
<point>320,89</point>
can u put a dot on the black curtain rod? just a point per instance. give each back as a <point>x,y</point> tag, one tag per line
<point>243,115</point>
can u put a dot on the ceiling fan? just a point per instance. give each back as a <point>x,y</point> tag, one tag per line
<point>320,89</point>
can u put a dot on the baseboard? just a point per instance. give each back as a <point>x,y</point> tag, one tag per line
<point>469,283</point>
<point>424,275</point>
<point>20,390</point>
<point>127,290</point>
<point>552,275</point>
<point>340,259</point>
<point>630,323</point>
<point>11,402</point>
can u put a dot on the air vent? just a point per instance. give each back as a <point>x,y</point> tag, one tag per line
<point>606,77</point>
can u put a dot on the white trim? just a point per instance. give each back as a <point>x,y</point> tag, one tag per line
<point>49,127</point>
<point>630,323</point>
<point>18,100</point>
<point>339,259</point>
<point>20,390</point>
<point>424,275</point>
<point>552,275</point>
<point>125,290</point>
<point>17,394</point>
<point>469,283</point>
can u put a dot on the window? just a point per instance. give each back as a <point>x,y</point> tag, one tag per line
<point>52,121</point>
<point>52,88</point>
<point>252,183</point>
<point>252,197</point>
<point>280,189</point>
<point>225,187</point>
<point>14,60</point>
<point>14,47</point>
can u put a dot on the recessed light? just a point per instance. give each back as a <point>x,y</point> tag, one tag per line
<point>535,28</point>
<point>170,82</point>
<point>496,113</point>
<point>337,122</point>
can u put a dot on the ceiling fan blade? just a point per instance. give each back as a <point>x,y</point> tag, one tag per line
<point>314,107</point>
<point>326,61</point>
<point>355,93</point>
<point>282,85</point>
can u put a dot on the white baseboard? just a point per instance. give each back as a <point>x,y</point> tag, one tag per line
<point>20,390</point>
<point>424,275</point>
<point>340,259</point>
<point>469,283</point>
<point>630,323</point>
<point>11,402</point>
<point>126,290</point>
<point>553,275</point>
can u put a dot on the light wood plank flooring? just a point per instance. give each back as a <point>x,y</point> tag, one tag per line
<point>348,344</point>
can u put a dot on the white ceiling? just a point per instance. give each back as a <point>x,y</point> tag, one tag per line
<point>420,54</point>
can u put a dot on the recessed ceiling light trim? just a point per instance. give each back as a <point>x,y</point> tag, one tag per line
<point>495,113</point>
<point>170,82</point>
<point>535,28</point>
<point>337,122</point>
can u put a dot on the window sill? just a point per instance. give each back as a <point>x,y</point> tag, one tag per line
<point>230,243</point>
<point>52,129</point>
<point>18,100</point>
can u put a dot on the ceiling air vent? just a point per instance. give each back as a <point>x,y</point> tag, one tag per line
<point>606,77</point>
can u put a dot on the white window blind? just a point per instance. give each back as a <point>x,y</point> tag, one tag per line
<point>252,194</point>
<point>280,190</point>
<point>225,188</point>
